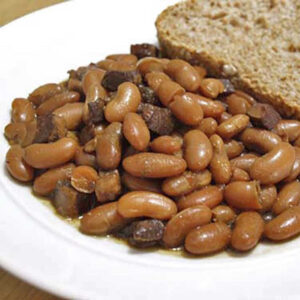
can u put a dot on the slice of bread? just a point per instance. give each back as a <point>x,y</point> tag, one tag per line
<point>255,43</point>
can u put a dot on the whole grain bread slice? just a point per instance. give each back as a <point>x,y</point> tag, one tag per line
<point>254,43</point>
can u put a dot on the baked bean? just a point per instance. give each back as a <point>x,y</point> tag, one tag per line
<point>43,156</point>
<point>182,223</point>
<point>22,111</point>
<point>224,117</point>
<point>102,220</point>
<point>208,126</point>
<point>136,131</point>
<point>127,100</point>
<point>274,166</point>
<point>140,184</point>
<point>186,109</point>
<point>108,186</point>
<point>71,113</point>
<point>57,101</point>
<point>288,196</point>
<point>201,71</point>
<point>82,158</point>
<point>113,65</point>
<point>90,146</point>
<point>44,92</point>
<point>75,85</point>
<point>155,79</point>
<point>243,195</point>
<point>45,184</point>
<point>183,73</point>
<point>211,87</point>
<point>208,239</point>
<point>186,183</point>
<point>223,213</point>
<point>154,165</point>
<point>288,129</point>
<point>83,179</point>
<point>246,96</point>
<point>16,165</point>
<point>91,84</point>
<point>239,175</point>
<point>109,148</point>
<point>244,161</point>
<point>268,196</point>
<point>210,196</point>
<point>16,133</point>
<point>248,229</point>
<point>125,58</point>
<point>146,204</point>
<point>233,126</point>
<point>167,90</point>
<point>233,148</point>
<point>259,140</point>
<point>151,64</point>
<point>166,144</point>
<point>237,105</point>
<point>198,150</point>
<point>284,226</point>
<point>210,108</point>
<point>219,165</point>
<point>295,172</point>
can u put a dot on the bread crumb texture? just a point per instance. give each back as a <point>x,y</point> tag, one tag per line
<point>254,43</point>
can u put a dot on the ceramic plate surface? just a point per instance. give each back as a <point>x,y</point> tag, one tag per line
<point>48,252</point>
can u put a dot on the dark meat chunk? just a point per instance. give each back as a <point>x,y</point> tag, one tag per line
<point>69,202</point>
<point>228,87</point>
<point>112,79</point>
<point>50,128</point>
<point>148,230</point>
<point>144,50</point>
<point>96,111</point>
<point>264,115</point>
<point>86,133</point>
<point>148,95</point>
<point>80,72</point>
<point>158,119</point>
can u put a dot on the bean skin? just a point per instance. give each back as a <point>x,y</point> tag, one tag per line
<point>244,161</point>
<point>284,226</point>
<point>43,156</point>
<point>154,165</point>
<point>198,150</point>
<point>102,220</point>
<point>155,79</point>
<point>209,196</point>
<point>208,126</point>
<point>248,229</point>
<point>83,158</point>
<point>16,165</point>
<point>233,148</point>
<point>208,239</point>
<point>166,144</point>
<point>146,204</point>
<point>44,92</point>
<point>268,196</point>
<point>243,195</point>
<point>151,65</point>
<point>288,129</point>
<point>239,175</point>
<point>295,172</point>
<point>237,105</point>
<point>183,222</point>
<point>223,213</point>
<point>136,131</point>
<point>274,166</point>
<point>22,111</point>
<point>211,87</point>
<point>83,179</point>
<point>141,184</point>
<point>288,196</point>
<point>167,91</point>
<point>126,58</point>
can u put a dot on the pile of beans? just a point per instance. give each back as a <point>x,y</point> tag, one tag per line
<point>154,151</point>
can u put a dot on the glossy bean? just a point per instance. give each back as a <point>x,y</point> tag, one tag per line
<point>166,144</point>
<point>208,126</point>
<point>246,96</point>
<point>125,58</point>
<point>16,133</point>
<point>83,158</point>
<point>201,71</point>
<point>22,111</point>
<point>167,90</point>
<point>155,79</point>
<point>140,184</point>
<point>237,105</point>
<point>223,213</point>
<point>113,65</point>
<point>83,179</point>
<point>295,172</point>
<point>288,129</point>
<point>268,196</point>
<point>151,64</point>
<point>244,161</point>
<point>44,92</point>
<point>211,87</point>
<point>233,148</point>
<point>239,175</point>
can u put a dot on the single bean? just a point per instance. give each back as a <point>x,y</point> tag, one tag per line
<point>295,172</point>
<point>167,90</point>
<point>155,79</point>
<point>211,87</point>
<point>102,220</point>
<point>246,96</point>
<point>234,148</point>
<point>186,109</point>
<point>44,92</point>
<point>112,65</point>
<point>83,158</point>
<point>248,229</point>
<point>288,129</point>
<point>268,196</point>
<point>198,150</point>
<point>244,161</point>
<point>75,85</point>
<point>259,140</point>
<point>201,71</point>
<point>224,117</point>
<point>16,133</point>
<point>208,126</point>
<point>90,146</point>
<point>154,165</point>
<point>71,113</point>
<point>233,126</point>
<point>43,156</point>
<point>183,222</point>
<point>223,213</point>
<point>284,226</point>
<point>16,165</point>
<point>210,196</point>
<point>237,105</point>
<point>274,166</point>
<point>125,58</point>
<point>151,64</point>
<point>243,195</point>
<point>92,77</point>
<point>186,183</point>
<point>146,204</point>
<point>45,184</point>
<point>219,165</point>
<point>183,73</point>
<point>22,111</point>
<point>239,175</point>
<point>208,239</point>
<point>136,131</point>
<point>288,196</point>
<point>127,100</point>
<point>83,179</point>
<point>140,184</point>
<point>166,144</point>
<point>109,148</point>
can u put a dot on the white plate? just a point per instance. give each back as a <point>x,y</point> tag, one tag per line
<point>46,251</point>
